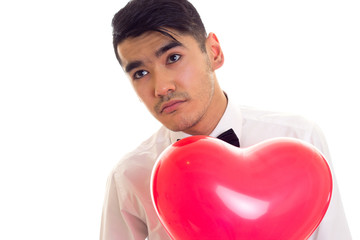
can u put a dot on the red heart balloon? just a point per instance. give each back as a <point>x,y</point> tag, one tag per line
<point>204,188</point>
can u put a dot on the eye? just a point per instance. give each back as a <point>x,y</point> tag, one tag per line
<point>173,58</point>
<point>140,74</point>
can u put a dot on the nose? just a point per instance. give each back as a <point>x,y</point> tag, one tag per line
<point>164,84</point>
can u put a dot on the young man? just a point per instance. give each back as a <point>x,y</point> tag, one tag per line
<point>163,47</point>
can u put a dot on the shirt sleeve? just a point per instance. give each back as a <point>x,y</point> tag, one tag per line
<point>334,225</point>
<point>117,223</point>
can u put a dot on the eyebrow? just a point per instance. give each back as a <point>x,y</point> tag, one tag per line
<point>158,53</point>
<point>133,65</point>
<point>167,47</point>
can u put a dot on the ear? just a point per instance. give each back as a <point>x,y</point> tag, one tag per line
<point>215,53</point>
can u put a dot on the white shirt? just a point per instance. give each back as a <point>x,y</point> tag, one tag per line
<point>128,212</point>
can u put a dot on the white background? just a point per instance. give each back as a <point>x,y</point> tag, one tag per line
<point>68,114</point>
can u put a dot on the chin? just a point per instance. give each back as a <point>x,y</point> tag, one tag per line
<point>175,127</point>
<point>183,125</point>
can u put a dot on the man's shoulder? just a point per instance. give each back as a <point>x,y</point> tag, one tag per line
<point>130,177</point>
<point>269,118</point>
<point>260,124</point>
<point>145,154</point>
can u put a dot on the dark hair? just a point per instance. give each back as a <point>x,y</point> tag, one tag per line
<point>140,16</point>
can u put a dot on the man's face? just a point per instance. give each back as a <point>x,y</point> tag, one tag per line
<point>174,79</point>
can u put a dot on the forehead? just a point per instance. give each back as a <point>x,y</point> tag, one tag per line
<point>145,45</point>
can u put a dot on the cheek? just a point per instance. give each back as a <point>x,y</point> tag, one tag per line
<point>192,76</point>
<point>144,94</point>
<point>142,87</point>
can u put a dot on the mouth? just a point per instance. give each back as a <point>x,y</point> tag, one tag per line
<point>171,106</point>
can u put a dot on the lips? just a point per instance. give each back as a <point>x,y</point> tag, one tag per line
<point>171,106</point>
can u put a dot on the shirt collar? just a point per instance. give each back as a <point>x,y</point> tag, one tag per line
<point>232,118</point>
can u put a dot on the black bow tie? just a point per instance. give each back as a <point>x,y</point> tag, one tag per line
<point>230,137</point>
